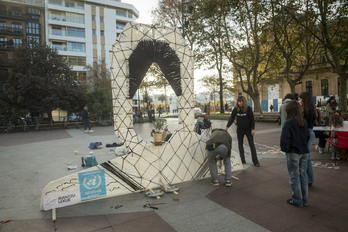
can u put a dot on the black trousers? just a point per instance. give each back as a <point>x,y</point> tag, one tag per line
<point>240,136</point>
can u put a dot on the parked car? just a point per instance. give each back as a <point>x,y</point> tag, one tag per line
<point>73,116</point>
<point>197,110</point>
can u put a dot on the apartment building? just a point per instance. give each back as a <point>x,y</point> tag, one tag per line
<point>18,20</point>
<point>83,31</point>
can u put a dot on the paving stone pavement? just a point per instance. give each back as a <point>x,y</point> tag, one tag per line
<point>257,202</point>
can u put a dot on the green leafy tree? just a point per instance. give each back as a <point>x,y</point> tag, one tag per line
<point>162,98</point>
<point>99,96</point>
<point>297,49</point>
<point>41,81</point>
<point>330,18</point>
<point>208,50</point>
<point>169,13</point>
<point>244,41</point>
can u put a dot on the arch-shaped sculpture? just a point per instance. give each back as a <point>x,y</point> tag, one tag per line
<point>180,159</point>
<point>147,52</point>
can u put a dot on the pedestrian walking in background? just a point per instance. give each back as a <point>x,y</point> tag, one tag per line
<point>271,107</point>
<point>293,141</point>
<point>245,126</point>
<point>308,113</point>
<point>288,97</point>
<point>219,147</point>
<point>85,117</point>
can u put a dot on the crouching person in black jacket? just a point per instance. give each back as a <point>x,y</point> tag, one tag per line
<point>293,142</point>
<point>219,147</point>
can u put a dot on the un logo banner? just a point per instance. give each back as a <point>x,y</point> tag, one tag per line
<point>92,185</point>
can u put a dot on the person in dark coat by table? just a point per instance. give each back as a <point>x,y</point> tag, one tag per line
<point>293,141</point>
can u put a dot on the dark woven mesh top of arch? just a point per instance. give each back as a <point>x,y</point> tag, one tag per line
<point>147,52</point>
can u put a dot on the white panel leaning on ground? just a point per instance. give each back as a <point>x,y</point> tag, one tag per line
<point>182,158</point>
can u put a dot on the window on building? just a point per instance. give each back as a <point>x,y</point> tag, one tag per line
<point>55,2</point>
<point>121,13</point>
<point>76,47</point>
<point>80,6</point>
<point>93,32</point>
<point>33,28</point>
<point>17,42</point>
<point>71,31</point>
<point>309,87</point>
<point>101,33</point>
<point>56,30</point>
<point>35,17</point>
<point>324,87</point>
<point>33,39</point>
<point>75,18</point>
<point>76,60</point>
<point>94,46</point>
<point>102,47</point>
<point>93,18</point>
<point>120,25</point>
<point>101,19</point>
<point>17,28</point>
<point>76,32</point>
<point>32,10</point>
<point>80,32</point>
<point>69,4</point>
<point>59,46</point>
<point>3,26</point>
<point>130,15</point>
<point>16,11</point>
<point>3,42</point>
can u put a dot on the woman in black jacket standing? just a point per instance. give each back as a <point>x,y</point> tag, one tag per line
<point>308,113</point>
<point>245,126</point>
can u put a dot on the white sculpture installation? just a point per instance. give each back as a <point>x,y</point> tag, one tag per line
<point>182,158</point>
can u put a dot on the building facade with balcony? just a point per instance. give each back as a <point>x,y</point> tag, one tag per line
<point>19,20</point>
<point>83,31</point>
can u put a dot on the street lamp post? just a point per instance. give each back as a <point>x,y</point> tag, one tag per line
<point>184,22</point>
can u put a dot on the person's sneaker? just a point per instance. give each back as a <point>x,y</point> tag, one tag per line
<point>320,150</point>
<point>215,183</point>
<point>257,165</point>
<point>228,183</point>
<point>90,131</point>
<point>290,201</point>
<point>317,147</point>
<point>86,131</point>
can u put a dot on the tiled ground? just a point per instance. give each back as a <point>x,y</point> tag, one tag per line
<point>149,221</point>
<point>261,193</point>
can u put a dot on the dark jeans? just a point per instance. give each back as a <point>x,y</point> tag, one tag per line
<point>88,122</point>
<point>322,136</point>
<point>240,136</point>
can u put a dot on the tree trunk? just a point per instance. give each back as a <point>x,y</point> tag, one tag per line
<point>343,93</point>
<point>257,104</point>
<point>221,94</point>
<point>292,87</point>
